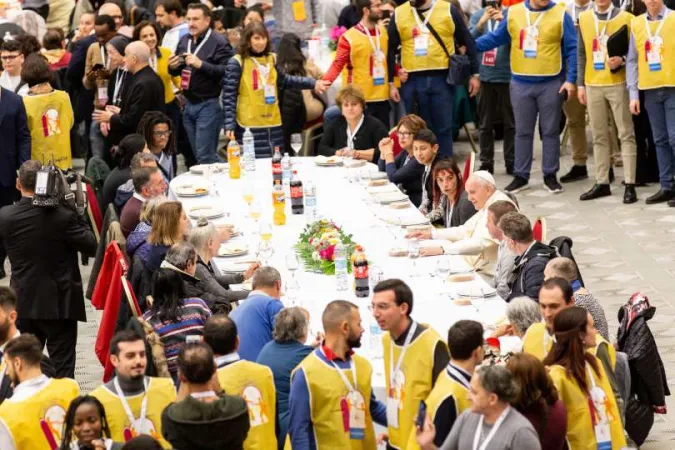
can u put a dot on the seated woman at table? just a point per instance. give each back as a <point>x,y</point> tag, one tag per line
<point>157,129</point>
<point>137,241</point>
<point>251,88</point>
<point>404,170</point>
<point>169,226</point>
<point>451,205</point>
<point>425,151</point>
<point>206,239</point>
<point>354,133</point>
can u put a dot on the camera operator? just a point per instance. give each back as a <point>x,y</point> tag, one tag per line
<point>42,244</point>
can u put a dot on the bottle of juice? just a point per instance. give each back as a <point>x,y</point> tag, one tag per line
<point>234,158</point>
<point>279,202</point>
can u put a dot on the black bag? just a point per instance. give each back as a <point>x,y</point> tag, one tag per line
<point>459,71</point>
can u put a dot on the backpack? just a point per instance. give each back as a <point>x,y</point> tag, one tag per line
<point>564,246</point>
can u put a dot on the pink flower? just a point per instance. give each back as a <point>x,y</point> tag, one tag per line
<point>327,253</point>
<point>336,32</point>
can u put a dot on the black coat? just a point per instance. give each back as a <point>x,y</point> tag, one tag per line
<point>529,270</point>
<point>370,134</point>
<point>42,245</point>
<point>15,148</point>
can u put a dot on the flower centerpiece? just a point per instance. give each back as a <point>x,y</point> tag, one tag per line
<point>316,246</point>
<point>335,34</point>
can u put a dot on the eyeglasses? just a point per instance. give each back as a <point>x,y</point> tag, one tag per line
<point>161,133</point>
<point>9,57</point>
<point>405,133</point>
<point>380,306</point>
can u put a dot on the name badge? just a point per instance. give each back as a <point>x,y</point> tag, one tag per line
<point>421,44</point>
<point>357,415</point>
<point>392,412</point>
<point>102,96</point>
<point>529,39</point>
<point>599,52</point>
<point>378,74</point>
<point>601,428</point>
<point>490,58</point>
<point>270,94</point>
<point>299,11</point>
<point>653,49</point>
<point>185,76</point>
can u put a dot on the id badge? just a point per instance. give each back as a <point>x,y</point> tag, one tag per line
<point>392,412</point>
<point>530,39</point>
<point>270,94</point>
<point>490,58</point>
<point>299,12</point>
<point>185,76</point>
<point>378,74</point>
<point>602,430</point>
<point>603,436</point>
<point>102,95</point>
<point>357,415</point>
<point>653,48</point>
<point>422,44</point>
<point>599,51</point>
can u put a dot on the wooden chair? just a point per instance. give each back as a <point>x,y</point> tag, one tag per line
<point>539,229</point>
<point>131,298</point>
<point>469,166</point>
<point>310,139</point>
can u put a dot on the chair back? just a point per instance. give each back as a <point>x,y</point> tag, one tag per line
<point>539,229</point>
<point>131,298</point>
<point>94,212</point>
<point>469,166</point>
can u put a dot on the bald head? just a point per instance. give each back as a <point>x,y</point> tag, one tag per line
<point>136,56</point>
<point>114,11</point>
<point>479,190</point>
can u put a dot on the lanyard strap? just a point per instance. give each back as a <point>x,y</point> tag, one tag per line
<point>422,26</point>
<point>658,30</point>
<point>153,62</point>
<point>406,344</point>
<point>492,25</point>
<point>595,20</point>
<point>539,17</point>
<point>479,429</point>
<point>458,376</point>
<point>199,47</point>
<point>119,80</point>
<point>351,136</point>
<point>127,408</point>
<point>352,367</point>
<point>263,70</point>
<point>373,43</point>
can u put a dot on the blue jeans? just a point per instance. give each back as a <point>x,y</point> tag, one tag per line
<point>331,113</point>
<point>530,100</point>
<point>660,106</point>
<point>97,140</point>
<point>435,100</point>
<point>202,123</point>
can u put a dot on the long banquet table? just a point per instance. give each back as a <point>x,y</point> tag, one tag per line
<point>347,204</point>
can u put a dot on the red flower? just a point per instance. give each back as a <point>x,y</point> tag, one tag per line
<point>327,253</point>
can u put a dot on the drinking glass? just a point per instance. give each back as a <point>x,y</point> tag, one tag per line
<point>265,251</point>
<point>247,193</point>
<point>266,232</point>
<point>292,262</point>
<point>414,254</point>
<point>443,268</point>
<point>254,211</point>
<point>296,142</point>
<point>376,275</point>
<point>347,163</point>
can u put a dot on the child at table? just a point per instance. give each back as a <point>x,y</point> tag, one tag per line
<point>251,91</point>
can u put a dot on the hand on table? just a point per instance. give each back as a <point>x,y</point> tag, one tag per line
<point>349,153</point>
<point>431,251</point>
<point>419,234</point>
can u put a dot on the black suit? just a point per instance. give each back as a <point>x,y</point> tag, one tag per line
<point>42,245</point>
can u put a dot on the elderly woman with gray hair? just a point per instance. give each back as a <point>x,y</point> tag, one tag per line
<point>206,239</point>
<point>283,354</point>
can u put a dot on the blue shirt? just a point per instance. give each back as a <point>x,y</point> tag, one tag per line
<point>255,322</point>
<point>282,358</point>
<point>501,72</point>
<point>300,422</point>
<point>501,36</point>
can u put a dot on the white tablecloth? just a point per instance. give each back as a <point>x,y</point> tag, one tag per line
<point>344,203</point>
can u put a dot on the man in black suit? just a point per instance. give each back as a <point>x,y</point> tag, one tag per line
<point>15,149</point>
<point>43,244</point>
<point>145,93</point>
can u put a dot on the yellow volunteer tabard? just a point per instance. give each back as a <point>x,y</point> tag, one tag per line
<point>50,118</point>
<point>255,384</point>
<point>258,100</point>
<point>363,64</point>
<point>161,392</point>
<point>656,67</point>
<point>537,341</point>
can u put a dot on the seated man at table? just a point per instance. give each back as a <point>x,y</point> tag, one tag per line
<point>473,238</point>
<point>148,183</point>
<point>256,316</point>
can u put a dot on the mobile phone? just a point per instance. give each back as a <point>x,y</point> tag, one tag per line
<point>386,14</point>
<point>491,4</point>
<point>421,414</point>
<point>97,66</point>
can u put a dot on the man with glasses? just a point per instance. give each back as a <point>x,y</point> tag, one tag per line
<point>12,61</point>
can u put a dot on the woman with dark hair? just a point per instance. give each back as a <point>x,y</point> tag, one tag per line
<point>121,173</point>
<point>86,426</point>
<point>49,114</point>
<point>451,205</point>
<point>250,91</point>
<point>538,400</point>
<point>582,384</point>
<point>157,129</point>
<point>255,13</point>
<point>403,169</point>
<point>173,316</point>
<point>297,107</point>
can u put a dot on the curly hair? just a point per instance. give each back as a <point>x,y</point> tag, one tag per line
<point>146,128</point>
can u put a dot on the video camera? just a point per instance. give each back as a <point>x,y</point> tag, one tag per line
<point>53,188</point>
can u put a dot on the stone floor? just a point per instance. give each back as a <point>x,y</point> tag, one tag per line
<point>621,249</point>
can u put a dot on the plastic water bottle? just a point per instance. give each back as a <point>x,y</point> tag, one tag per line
<point>341,276</point>
<point>375,339</point>
<point>286,173</point>
<point>249,151</point>
<point>310,201</point>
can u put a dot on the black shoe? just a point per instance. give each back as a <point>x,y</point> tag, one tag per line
<point>611,175</point>
<point>575,174</point>
<point>659,197</point>
<point>509,168</point>
<point>629,194</point>
<point>488,167</point>
<point>597,191</point>
<point>3,274</point>
<point>551,183</point>
<point>518,184</point>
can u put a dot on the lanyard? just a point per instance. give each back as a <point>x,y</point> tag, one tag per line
<point>536,22</point>
<point>153,62</point>
<point>458,376</point>
<point>547,340</point>
<point>376,43</point>
<point>264,71</point>
<point>479,429</point>
<point>103,56</point>
<point>351,136</point>
<point>199,47</point>
<point>658,30</point>
<point>352,366</point>
<point>408,338</point>
<point>595,20</point>
<point>422,26</point>
<point>492,25</point>
<point>119,80</point>
<point>127,408</point>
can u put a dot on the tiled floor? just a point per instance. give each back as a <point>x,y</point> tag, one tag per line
<point>621,249</point>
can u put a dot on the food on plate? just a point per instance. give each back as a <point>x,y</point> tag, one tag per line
<point>400,205</point>
<point>462,277</point>
<point>381,182</point>
<point>463,301</point>
<point>201,190</point>
<point>398,252</point>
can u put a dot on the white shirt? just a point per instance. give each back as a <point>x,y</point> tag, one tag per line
<point>12,82</point>
<point>22,392</point>
<point>172,36</point>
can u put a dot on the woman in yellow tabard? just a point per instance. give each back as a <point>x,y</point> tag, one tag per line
<point>49,114</point>
<point>251,91</point>
<point>593,418</point>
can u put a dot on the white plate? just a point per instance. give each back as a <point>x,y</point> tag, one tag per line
<point>232,249</point>
<point>235,267</point>
<point>199,168</point>
<point>378,175</point>
<point>476,292</point>
<point>191,190</point>
<point>387,188</point>
<point>391,197</point>
<point>206,212</point>
<point>328,161</point>
<point>355,163</point>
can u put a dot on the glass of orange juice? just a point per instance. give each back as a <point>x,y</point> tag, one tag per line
<point>266,232</point>
<point>248,194</point>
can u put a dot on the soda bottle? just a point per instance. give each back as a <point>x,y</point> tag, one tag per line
<point>361,279</point>
<point>234,158</point>
<point>279,201</point>
<point>341,277</point>
<point>276,167</point>
<point>310,201</point>
<point>249,151</point>
<point>286,173</point>
<point>297,195</point>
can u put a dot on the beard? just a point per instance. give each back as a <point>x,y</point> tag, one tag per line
<point>374,18</point>
<point>354,341</point>
<point>4,330</point>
